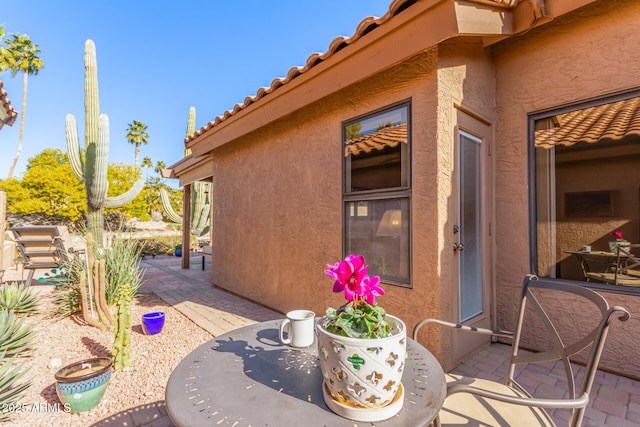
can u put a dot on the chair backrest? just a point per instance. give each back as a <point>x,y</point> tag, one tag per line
<point>563,344</point>
<point>41,246</point>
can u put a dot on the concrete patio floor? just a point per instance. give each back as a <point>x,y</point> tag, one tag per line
<point>615,400</point>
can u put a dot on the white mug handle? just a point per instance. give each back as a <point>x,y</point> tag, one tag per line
<point>285,323</point>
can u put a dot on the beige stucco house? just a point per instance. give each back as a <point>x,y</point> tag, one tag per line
<point>434,141</point>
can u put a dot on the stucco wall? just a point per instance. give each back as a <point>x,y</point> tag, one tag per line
<point>278,200</point>
<point>465,82</point>
<point>594,53</point>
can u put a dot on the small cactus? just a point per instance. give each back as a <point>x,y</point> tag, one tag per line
<point>200,200</point>
<point>121,354</point>
<point>93,170</point>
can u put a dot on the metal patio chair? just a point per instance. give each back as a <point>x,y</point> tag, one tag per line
<point>478,402</point>
<point>40,247</point>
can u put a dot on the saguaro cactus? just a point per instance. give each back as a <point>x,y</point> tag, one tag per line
<point>200,200</point>
<point>93,170</point>
<point>122,329</point>
<point>96,298</point>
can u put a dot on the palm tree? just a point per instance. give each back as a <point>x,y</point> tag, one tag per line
<point>146,163</point>
<point>159,166</point>
<point>4,53</point>
<point>137,134</point>
<point>23,56</point>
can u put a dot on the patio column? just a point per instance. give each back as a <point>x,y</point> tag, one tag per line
<point>186,226</point>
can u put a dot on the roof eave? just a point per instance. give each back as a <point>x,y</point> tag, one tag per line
<point>398,35</point>
<point>189,169</point>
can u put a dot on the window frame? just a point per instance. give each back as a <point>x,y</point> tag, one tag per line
<point>531,153</point>
<point>402,192</point>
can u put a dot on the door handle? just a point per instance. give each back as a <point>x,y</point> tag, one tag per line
<point>458,247</point>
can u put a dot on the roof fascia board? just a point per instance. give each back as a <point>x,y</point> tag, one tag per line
<point>556,8</point>
<point>190,169</point>
<point>422,26</point>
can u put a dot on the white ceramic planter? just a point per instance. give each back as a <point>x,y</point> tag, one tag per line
<point>362,377</point>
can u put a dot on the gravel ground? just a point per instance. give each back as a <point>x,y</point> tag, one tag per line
<point>153,358</point>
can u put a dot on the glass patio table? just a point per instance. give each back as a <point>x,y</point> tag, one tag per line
<point>248,378</point>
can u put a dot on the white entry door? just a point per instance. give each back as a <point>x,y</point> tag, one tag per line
<point>471,230</point>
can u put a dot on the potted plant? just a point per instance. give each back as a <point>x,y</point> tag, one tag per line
<point>81,385</point>
<point>361,348</point>
<point>620,241</point>
<point>178,250</point>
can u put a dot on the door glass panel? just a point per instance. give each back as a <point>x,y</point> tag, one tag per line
<point>470,230</point>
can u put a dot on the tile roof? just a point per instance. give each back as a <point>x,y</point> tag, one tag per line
<point>387,137</point>
<point>364,27</point>
<point>613,121</point>
<point>5,103</point>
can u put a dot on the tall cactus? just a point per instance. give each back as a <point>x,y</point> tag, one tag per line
<point>121,354</point>
<point>93,170</point>
<point>200,200</point>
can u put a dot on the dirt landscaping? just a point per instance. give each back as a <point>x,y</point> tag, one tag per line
<point>153,359</point>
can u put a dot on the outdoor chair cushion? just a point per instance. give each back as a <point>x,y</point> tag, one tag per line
<point>480,411</point>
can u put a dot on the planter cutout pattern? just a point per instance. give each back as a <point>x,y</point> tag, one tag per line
<point>81,385</point>
<point>362,377</point>
<point>152,323</point>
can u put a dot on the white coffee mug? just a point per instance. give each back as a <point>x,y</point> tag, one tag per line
<point>300,327</point>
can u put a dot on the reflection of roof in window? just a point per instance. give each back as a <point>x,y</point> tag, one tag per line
<point>8,115</point>
<point>386,137</point>
<point>613,121</point>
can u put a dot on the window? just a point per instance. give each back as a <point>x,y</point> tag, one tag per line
<point>377,192</point>
<point>586,178</point>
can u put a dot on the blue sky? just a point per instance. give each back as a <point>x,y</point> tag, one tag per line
<point>158,58</point>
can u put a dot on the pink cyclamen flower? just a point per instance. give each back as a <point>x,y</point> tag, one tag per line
<point>349,275</point>
<point>372,289</point>
<point>617,234</point>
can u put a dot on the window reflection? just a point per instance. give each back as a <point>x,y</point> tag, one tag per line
<point>587,185</point>
<point>376,151</point>
<point>377,192</point>
<point>382,237</point>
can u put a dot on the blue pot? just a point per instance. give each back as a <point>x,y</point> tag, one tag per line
<point>178,252</point>
<point>152,323</point>
<point>81,385</point>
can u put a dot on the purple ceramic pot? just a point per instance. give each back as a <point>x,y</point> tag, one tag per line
<point>152,323</point>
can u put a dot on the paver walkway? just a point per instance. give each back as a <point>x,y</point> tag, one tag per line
<point>615,400</point>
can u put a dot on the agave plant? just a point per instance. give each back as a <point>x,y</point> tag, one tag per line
<point>18,298</point>
<point>15,334</point>
<point>10,390</point>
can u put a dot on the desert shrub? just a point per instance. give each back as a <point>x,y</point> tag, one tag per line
<point>15,334</point>
<point>122,266</point>
<point>19,298</point>
<point>158,245</point>
<point>10,390</point>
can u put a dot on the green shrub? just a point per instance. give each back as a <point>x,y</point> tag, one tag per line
<point>122,266</point>
<point>160,245</point>
<point>18,298</point>
<point>10,390</point>
<point>15,334</point>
